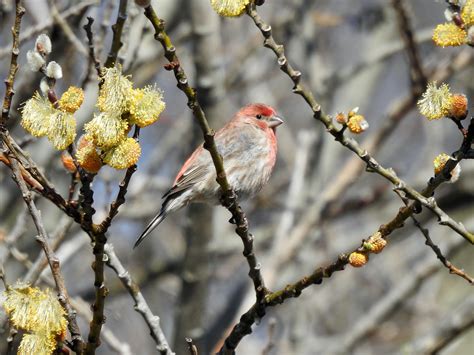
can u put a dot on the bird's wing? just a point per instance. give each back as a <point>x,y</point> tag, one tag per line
<point>188,179</point>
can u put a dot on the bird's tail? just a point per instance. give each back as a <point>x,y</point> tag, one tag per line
<point>152,225</point>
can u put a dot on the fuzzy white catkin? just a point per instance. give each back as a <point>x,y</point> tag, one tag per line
<point>44,86</point>
<point>43,44</point>
<point>35,60</point>
<point>54,70</point>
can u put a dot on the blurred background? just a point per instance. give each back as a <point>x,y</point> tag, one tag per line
<point>319,203</point>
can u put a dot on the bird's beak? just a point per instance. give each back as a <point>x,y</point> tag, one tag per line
<point>275,121</point>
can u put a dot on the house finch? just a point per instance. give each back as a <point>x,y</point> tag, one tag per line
<point>248,146</point>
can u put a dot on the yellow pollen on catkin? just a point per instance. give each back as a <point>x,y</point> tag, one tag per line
<point>114,91</point>
<point>439,162</point>
<point>37,343</point>
<point>145,106</point>
<point>357,124</point>
<point>358,259</point>
<point>448,34</point>
<point>87,156</point>
<point>36,114</point>
<point>33,310</point>
<point>376,243</point>
<point>123,155</point>
<point>435,102</point>
<point>61,130</point>
<point>467,13</point>
<point>229,8</point>
<point>71,100</point>
<point>458,106</point>
<point>106,129</point>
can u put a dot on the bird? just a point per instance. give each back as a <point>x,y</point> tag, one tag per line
<point>248,146</point>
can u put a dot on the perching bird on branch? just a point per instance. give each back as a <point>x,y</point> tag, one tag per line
<point>248,146</point>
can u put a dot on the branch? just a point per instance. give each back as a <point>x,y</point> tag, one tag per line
<point>53,261</point>
<point>229,198</point>
<point>418,77</point>
<point>371,164</point>
<point>117,30</point>
<point>90,40</point>
<point>391,301</point>
<point>35,30</point>
<point>67,30</point>
<point>258,310</point>
<point>120,199</point>
<point>141,305</point>
<point>452,269</point>
<point>15,50</point>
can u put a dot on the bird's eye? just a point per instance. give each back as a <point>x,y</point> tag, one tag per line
<point>259,116</point>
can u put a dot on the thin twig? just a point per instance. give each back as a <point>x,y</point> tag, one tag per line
<point>15,50</point>
<point>67,30</point>
<point>90,40</point>
<point>444,260</point>
<point>117,38</point>
<point>418,77</point>
<point>53,261</point>
<point>391,301</point>
<point>120,199</point>
<point>141,306</point>
<point>33,31</point>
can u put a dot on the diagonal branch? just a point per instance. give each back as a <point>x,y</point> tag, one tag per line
<point>229,198</point>
<point>371,164</point>
<point>141,306</point>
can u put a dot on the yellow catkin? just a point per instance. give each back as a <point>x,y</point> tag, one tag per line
<point>72,99</point>
<point>87,156</point>
<point>358,259</point>
<point>448,34</point>
<point>145,106</point>
<point>467,13</point>
<point>229,8</point>
<point>435,102</point>
<point>36,114</point>
<point>106,129</point>
<point>357,124</point>
<point>114,92</point>
<point>123,155</point>
<point>376,243</point>
<point>458,107</point>
<point>61,130</point>
<point>37,343</point>
<point>34,310</point>
<point>439,162</point>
